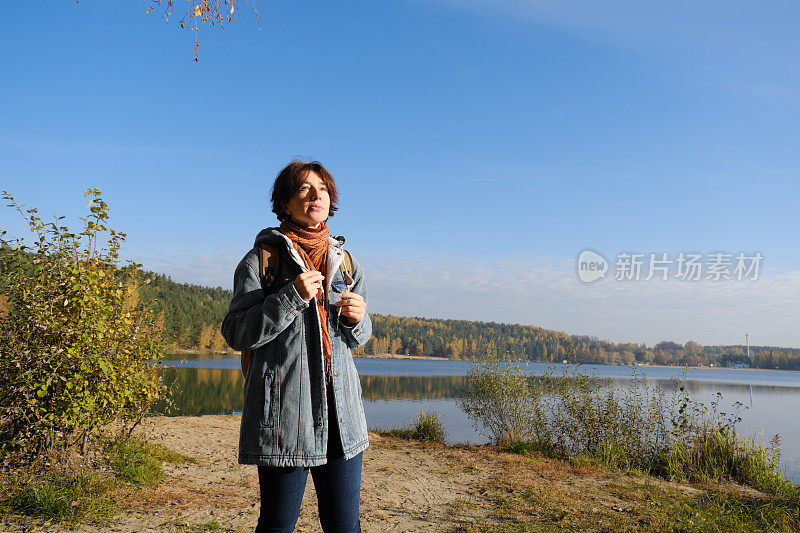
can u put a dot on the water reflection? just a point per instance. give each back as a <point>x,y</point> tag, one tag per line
<point>207,391</point>
<point>411,387</point>
<point>202,391</point>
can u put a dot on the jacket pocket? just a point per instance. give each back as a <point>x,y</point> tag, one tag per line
<point>268,414</point>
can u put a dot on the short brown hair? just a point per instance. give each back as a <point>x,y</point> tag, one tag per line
<point>289,181</point>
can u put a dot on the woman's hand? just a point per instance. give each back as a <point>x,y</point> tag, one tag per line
<point>308,284</point>
<point>352,307</point>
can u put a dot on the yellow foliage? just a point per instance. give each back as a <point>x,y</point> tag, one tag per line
<point>204,341</point>
<point>131,298</point>
<point>218,344</point>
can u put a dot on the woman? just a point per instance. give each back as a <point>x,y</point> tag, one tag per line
<point>302,396</point>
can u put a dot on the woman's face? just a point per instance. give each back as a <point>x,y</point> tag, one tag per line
<point>310,205</point>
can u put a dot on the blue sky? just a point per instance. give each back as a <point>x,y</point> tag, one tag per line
<point>478,147</point>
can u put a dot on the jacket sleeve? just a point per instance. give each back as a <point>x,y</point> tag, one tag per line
<point>253,320</point>
<point>358,334</point>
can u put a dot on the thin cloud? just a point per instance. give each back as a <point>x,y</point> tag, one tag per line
<point>211,267</point>
<point>536,291</point>
<point>543,291</point>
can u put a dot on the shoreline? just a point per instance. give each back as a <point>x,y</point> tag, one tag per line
<point>185,351</point>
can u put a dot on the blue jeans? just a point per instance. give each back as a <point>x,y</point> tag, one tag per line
<point>338,486</point>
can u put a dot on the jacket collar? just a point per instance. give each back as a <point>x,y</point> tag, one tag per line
<point>274,237</point>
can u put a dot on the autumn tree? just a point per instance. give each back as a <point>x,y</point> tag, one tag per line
<point>76,344</point>
<point>691,347</point>
<point>204,341</point>
<point>217,343</point>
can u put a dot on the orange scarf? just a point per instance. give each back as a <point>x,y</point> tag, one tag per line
<point>312,245</point>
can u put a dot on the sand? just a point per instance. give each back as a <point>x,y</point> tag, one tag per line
<point>406,486</point>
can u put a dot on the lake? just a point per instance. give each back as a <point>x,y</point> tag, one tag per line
<point>395,391</point>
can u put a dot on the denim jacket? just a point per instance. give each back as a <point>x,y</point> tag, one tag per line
<point>285,414</point>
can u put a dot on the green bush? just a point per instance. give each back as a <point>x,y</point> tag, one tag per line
<point>717,453</point>
<point>76,345</point>
<point>581,415</point>
<point>427,428</point>
<point>502,400</point>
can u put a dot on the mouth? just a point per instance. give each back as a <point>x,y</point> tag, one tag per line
<point>316,208</point>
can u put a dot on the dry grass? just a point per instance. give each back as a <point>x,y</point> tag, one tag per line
<point>542,494</point>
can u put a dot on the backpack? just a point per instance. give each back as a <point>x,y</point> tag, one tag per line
<point>268,263</point>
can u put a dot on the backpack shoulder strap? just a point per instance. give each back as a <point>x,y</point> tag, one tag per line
<point>347,264</point>
<point>268,262</point>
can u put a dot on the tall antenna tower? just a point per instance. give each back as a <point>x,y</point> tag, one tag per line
<point>747,340</point>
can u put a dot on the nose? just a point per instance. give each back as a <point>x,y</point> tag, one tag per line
<point>314,193</point>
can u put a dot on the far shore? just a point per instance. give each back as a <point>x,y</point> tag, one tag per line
<point>232,354</point>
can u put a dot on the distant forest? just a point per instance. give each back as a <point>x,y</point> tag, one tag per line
<point>193,314</point>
